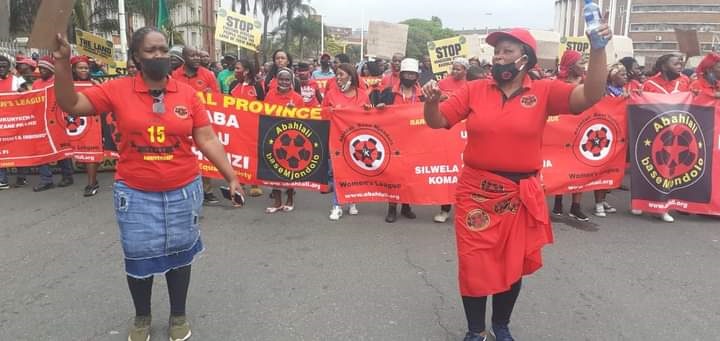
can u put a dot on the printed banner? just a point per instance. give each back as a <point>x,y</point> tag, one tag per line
<point>579,44</point>
<point>31,129</point>
<point>586,152</point>
<point>84,134</point>
<point>96,47</point>
<point>237,29</point>
<point>674,154</point>
<point>392,155</point>
<point>443,52</point>
<point>269,144</point>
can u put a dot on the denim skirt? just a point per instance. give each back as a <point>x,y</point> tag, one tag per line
<point>158,230</point>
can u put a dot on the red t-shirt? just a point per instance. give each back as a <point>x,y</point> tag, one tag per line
<point>371,83</point>
<point>701,85</point>
<point>659,84</point>
<point>41,84</point>
<point>155,148</point>
<point>390,80</point>
<point>633,86</point>
<point>275,97</point>
<point>308,92</point>
<point>506,135</point>
<point>399,98</point>
<point>204,80</point>
<point>337,99</point>
<point>244,91</point>
<point>6,85</point>
<point>448,85</point>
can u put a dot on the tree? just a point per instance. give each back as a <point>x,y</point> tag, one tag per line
<point>22,13</point>
<point>268,8</point>
<point>421,31</point>
<point>292,7</point>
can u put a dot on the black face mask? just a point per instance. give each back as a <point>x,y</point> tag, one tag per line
<point>155,68</point>
<point>503,73</point>
<point>670,75</point>
<point>408,83</point>
<point>325,64</point>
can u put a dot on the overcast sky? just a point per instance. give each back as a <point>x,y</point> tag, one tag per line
<point>455,14</point>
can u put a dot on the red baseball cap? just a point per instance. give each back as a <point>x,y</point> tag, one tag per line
<point>520,34</point>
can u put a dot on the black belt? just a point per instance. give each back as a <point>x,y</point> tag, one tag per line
<point>515,176</point>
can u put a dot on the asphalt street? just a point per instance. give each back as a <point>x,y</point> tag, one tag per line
<point>299,276</point>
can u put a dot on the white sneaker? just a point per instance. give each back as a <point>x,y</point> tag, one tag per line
<point>441,217</point>
<point>636,212</point>
<point>608,208</point>
<point>353,210</point>
<point>600,210</point>
<point>666,217</point>
<point>336,213</point>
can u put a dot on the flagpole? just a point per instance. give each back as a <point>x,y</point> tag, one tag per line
<point>322,34</point>
<point>362,34</point>
<point>123,29</point>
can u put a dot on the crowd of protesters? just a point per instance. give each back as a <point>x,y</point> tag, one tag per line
<point>334,82</point>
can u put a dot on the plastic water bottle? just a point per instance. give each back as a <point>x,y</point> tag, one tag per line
<point>591,12</point>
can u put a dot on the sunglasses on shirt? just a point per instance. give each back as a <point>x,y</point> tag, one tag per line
<point>158,96</point>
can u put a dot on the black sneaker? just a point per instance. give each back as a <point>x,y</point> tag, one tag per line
<point>21,182</point>
<point>66,181</point>
<point>502,332</point>
<point>91,190</point>
<point>470,336</point>
<point>558,211</point>
<point>576,212</point>
<point>407,212</point>
<point>210,199</point>
<point>391,216</point>
<point>4,185</point>
<point>43,187</point>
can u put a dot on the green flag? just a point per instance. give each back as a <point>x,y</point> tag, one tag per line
<point>163,15</point>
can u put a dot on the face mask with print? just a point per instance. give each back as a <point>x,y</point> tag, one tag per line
<point>503,73</point>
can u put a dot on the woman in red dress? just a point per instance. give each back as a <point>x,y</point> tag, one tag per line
<point>502,220</point>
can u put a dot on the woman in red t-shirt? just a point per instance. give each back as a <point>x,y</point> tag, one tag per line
<point>571,70</point>
<point>502,220</point>
<point>283,94</point>
<point>708,73</point>
<point>668,77</point>
<point>246,86</point>
<point>81,75</point>
<point>345,92</point>
<point>158,193</point>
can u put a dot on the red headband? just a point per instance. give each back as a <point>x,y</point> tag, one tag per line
<point>77,59</point>
<point>569,58</point>
<point>708,62</point>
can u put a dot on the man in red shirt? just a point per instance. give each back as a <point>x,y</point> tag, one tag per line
<point>309,88</point>
<point>202,80</point>
<point>47,73</point>
<point>392,76</point>
<point>668,77</point>
<point>7,80</point>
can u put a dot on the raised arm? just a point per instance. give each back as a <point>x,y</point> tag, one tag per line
<point>589,93</point>
<point>431,110</point>
<point>68,100</point>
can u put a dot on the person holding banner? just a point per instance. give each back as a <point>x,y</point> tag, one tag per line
<point>502,220</point>
<point>47,78</point>
<point>708,72</point>
<point>667,79</point>
<point>283,94</point>
<point>157,191</point>
<point>309,89</point>
<point>25,71</point>
<point>10,83</point>
<point>405,91</point>
<point>345,92</point>
<point>571,70</point>
<point>81,75</point>
<point>246,86</point>
<point>667,76</point>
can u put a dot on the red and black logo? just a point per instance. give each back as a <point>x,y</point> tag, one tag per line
<point>671,151</point>
<point>181,112</point>
<point>528,101</point>
<point>477,220</point>
<point>75,125</point>
<point>292,150</point>
<point>597,140</point>
<point>367,151</point>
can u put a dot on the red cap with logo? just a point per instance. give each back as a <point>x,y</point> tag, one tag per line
<point>520,34</point>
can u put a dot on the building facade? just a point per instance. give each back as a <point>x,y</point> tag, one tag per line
<point>650,24</point>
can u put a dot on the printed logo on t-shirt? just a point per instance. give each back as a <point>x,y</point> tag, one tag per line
<point>181,112</point>
<point>528,101</point>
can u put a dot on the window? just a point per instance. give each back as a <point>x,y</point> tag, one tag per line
<point>667,27</point>
<point>655,46</point>
<point>193,39</point>
<point>676,8</point>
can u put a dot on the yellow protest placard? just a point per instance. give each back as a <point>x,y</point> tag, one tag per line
<point>94,46</point>
<point>237,29</point>
<point>443,52</point>
<point>119,69</point>
<point>579,44</point>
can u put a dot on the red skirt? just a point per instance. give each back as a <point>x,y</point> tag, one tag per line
<point>501,227</point>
